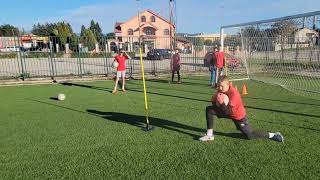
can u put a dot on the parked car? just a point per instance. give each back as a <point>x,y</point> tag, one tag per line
<point>158,54</point>
<point>10,49</point>
<point>186,51</point>
<point>232,61</point>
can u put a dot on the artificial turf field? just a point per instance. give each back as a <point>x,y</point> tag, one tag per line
<point>94,134</point>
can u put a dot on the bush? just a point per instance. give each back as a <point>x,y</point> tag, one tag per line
<point>8,55</point>
<point>92,55</point>
<point>41,54</point>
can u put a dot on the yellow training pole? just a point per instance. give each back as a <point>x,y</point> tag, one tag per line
<point>144,90</point>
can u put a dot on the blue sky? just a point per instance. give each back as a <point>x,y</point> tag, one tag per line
<point>192,15</point>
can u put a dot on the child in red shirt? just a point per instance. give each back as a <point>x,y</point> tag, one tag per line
<point>175,65</point>
<point>234,110</point>
<point>219,63</point>
<point>121,69</point>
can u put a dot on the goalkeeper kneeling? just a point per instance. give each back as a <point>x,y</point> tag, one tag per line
<point>227,103</point>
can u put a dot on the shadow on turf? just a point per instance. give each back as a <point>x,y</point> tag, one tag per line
<point>133,90</point>
<point>54,98</point>
<point>277,100</point>
<point>183,82</point>
<point>193,64</point>
<point>170,88</point>
<point>86,86</point>
<point>285,112</point>
<point>139,121</point>
<point>189,98</point>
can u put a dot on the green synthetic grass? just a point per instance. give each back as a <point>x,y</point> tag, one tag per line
<point>94,134</point>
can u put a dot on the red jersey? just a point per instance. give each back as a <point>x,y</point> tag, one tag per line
<point>122,62</point>
<point>237,110</point>
<point>219,59</point>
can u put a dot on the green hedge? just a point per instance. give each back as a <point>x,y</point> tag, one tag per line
<point>97,55</point>
<point>8,55</point>
<point>41,54</point>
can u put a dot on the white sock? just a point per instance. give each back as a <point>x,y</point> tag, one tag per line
<point>271,135</point>
<point>210,132</point>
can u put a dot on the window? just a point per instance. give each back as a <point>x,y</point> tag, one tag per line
<point>166,32</point>
<point>150,31</point>
<point>153,19</point>
<point>143,18</point>
<point>130,32</point>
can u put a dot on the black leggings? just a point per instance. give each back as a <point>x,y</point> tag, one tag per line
<point>242,125</point>
<point>173,75</point>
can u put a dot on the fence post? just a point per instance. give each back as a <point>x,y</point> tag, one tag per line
<point>79,60</point>
<point>106,59</point>
<point>51,59</point>
<point>19,56</point>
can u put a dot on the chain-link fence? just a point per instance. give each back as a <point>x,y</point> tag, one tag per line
<point>49,57</point>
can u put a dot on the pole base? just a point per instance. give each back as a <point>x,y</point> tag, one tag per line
<point>148,128</point>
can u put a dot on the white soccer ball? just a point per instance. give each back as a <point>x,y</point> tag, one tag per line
<point>61,97</point>
<point>115,64</point>
<point>222,98</point>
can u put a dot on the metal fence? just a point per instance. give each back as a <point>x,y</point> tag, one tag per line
<point>26,57</point>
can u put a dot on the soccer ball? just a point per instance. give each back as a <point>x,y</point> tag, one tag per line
<point>115,64</point>
<point>222,99</point>
<point>61,97</point>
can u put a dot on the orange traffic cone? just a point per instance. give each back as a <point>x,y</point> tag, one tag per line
<point>244,90</point>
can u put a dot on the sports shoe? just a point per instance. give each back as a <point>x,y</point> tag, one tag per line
<point>114,91</point>
<point>278,137</point>
<point>206,138</point>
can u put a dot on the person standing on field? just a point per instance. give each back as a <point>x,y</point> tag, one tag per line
<point>219,64</point>
<point>121,69</point>
<point>176,64</point>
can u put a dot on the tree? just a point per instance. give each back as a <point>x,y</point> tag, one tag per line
<point>83,29</point>
<point>9,30</point>
<point>286,27</point>
<point>208,42</point>
<point>197,41</point>
<point>63,31</point>
<point>74,41</point>
<point>111,35</point>
<point>95,28</point>
<point>98,33</point>
<point>88,39</point>
<point>44,29</point>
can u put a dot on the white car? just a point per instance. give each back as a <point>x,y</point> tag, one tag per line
<point>10,49</point>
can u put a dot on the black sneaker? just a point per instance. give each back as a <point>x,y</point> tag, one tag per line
<point>278,137</point>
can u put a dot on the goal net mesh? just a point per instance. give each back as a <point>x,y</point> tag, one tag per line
<point>283,51</point>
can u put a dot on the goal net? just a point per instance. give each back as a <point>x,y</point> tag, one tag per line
<point>283,51</point>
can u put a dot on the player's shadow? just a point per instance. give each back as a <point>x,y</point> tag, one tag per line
<point>282,101</point>
<point>285,112</point>
<point>183,82</point>
<point>139,121</point>
<point>87,86</point>
<point>170,88</point>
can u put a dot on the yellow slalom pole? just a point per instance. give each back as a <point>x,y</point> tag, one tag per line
<point>144,91</point>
